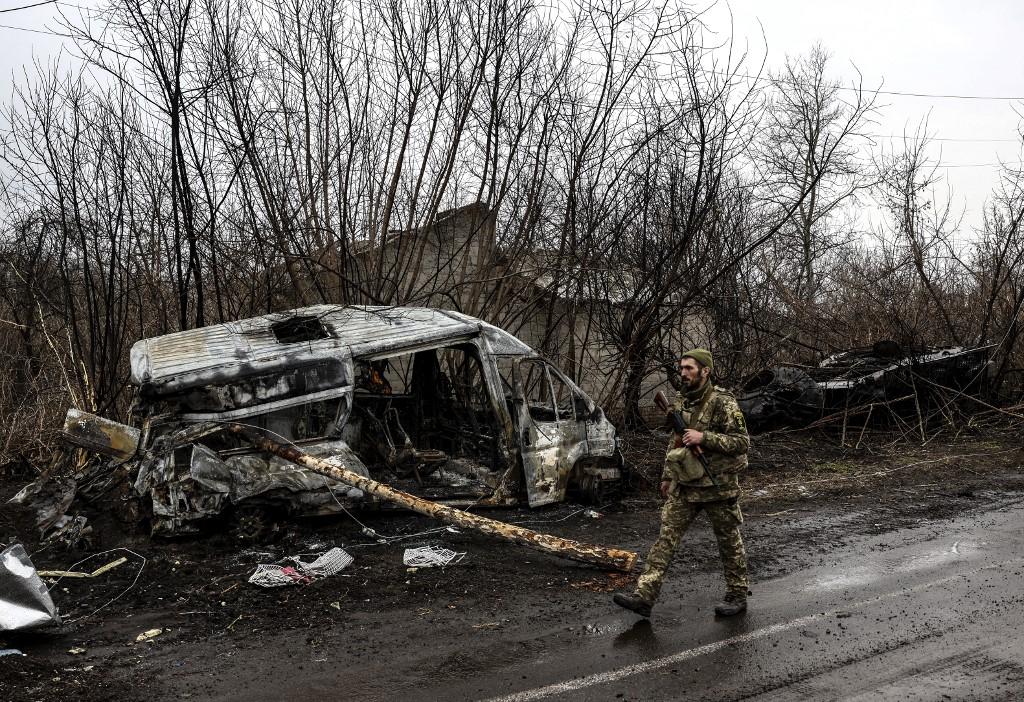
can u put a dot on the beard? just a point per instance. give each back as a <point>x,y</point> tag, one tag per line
<point>695,383</point>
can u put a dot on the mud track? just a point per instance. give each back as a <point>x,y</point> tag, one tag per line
<point>350,635</point>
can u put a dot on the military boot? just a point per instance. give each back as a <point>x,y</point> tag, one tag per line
<point>634,603</point>
<point>732,604</point>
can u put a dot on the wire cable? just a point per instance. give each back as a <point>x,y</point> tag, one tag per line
<point>26,7</point>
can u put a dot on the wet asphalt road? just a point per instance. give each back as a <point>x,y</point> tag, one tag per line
<point>931,613</point>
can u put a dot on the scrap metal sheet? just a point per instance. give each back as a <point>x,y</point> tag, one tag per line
<point>24,601</point>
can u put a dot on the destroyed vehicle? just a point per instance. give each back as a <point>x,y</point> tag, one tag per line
<point>435,403</point>
<point>884,373</point>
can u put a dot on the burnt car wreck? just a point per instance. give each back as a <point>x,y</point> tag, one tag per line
<point>882,374</point>
<point>433,403</point>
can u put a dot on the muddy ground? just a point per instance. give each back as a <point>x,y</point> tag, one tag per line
<point>805,494</point>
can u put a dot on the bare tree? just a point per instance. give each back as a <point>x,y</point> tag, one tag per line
<point>815,134</point>
<point>996,266</point>
<point>920,225</point>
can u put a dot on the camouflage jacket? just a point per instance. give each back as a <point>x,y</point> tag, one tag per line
<point>725,445</point>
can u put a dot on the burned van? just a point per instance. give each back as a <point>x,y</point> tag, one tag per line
<point>432,402</point>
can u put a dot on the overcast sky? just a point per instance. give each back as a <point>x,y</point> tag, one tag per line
<point>936,47</point>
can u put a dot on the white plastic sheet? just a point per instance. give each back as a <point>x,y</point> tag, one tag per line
<point>24,601</point>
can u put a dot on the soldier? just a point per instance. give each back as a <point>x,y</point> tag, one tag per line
<point>716,427</point>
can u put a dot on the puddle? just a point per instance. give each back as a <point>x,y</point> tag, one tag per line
<point>850,577</point>
<point>846,577</point>
<point>958,550</point>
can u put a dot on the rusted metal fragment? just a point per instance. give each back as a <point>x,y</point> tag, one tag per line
<point>884,373</point>
<point>781,396</point>
<point>333,468</point>
<point>100,435</point>
<point>190,482</point>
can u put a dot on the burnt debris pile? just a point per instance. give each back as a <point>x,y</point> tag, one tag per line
<point>878,380</point>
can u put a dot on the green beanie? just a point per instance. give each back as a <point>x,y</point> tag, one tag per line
<point>701,356</point>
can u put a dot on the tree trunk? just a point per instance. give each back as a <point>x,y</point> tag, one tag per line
<point>573,550</point>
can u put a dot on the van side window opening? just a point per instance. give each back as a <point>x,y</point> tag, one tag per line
<point>537,389</point>
<point>309,421</point>
<point>423,412</point>
<point>467,380</point>
<point>565,398</point>
<point>505,365</point>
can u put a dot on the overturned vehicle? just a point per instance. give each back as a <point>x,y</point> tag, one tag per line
<point>882,374</point>
<point>435,403</point>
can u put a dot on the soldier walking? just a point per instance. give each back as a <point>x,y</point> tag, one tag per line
<point>717,429</point>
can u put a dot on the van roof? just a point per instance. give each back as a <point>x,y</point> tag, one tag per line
<point>220,352</point>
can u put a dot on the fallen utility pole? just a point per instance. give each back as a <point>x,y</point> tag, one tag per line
<point>573,550</point>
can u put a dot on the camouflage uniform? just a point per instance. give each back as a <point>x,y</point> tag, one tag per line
<point>713,411</point>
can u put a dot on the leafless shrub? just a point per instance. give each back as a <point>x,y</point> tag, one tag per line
<point>608,183</point>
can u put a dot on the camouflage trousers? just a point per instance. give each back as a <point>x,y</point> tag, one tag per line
<point>676,517</point>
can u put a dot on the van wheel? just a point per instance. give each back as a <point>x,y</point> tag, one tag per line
<point>254,523</point>
<point>593,490</point>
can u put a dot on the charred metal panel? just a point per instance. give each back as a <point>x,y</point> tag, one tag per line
<point>499,341</point>
<point>545,474</point>
<point>781,396</point>
<point>254,410</point>
<point>164,357</point>
<point>876,374</point>
<point>245,392</point>
<point>219,373</point>
<point>403,332</point>
<point>100,435</point>
<point>193,483</point>
<point>257,474</point>
<point>176,361</point>
<point>601,437</point>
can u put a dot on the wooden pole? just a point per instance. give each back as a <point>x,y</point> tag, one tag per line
<point>332,468</point>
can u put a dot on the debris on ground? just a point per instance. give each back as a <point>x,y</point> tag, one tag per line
<point>883,374</point>
<point>148,635</point>
<point>431,557</point>
<point>25,602</point>
<point>613,558</point>
<point>330,563</point>
<point>51,498</point>
<point>613,582</point>
<point>79,574</point>
<point>186,581</point>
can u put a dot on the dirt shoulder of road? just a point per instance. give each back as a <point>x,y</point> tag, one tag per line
<point>804,494</point>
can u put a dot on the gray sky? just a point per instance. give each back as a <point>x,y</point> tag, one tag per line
<point>19,42</point>
<point>938,47</point>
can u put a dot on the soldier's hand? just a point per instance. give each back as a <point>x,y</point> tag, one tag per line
<point>665,484</point>
<point>692,437</point>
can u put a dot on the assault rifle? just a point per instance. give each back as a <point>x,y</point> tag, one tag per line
<point>679,427</point>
